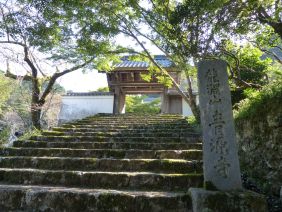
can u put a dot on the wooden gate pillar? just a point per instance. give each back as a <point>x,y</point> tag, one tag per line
<point>164,102</point>
<point>119,101</point>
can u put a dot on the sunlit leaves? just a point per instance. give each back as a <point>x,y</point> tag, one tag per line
<point>249,64</point>
<point>135,104</point>
<point>164,80</point>
<point>5,90</point>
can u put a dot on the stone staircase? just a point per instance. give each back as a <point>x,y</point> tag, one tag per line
<point>104,163</point>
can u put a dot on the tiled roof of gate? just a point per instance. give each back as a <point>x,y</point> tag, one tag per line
<point>160,59</point>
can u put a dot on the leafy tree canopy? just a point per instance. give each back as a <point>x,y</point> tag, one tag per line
<point>43,26</point>
<point>186,31</point>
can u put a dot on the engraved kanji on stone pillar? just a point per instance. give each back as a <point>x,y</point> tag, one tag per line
<point>221,163</point>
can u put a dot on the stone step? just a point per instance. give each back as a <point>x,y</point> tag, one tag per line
<point>144,118</point>
<point>152,121</point>
<point>125,130</point>
<point>129,126</point>
<point>121,134</point>
<point>136,115</point>
<point>109,145</point>
<point>104,163</point>
<point>136,122</point>
<point>126,117</point>
<point>113,180</point>
<point>47,198</point>
<point>192,139</point>
<point>134,118</point>
<point>96,164</point>
<point>192,154</point>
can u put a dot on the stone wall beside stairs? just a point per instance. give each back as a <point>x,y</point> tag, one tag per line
<point>260,150</point>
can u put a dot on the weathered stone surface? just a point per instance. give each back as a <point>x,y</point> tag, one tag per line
<point>43,198</point>
<point>110,145</point>
<point>192,154</point>
<point>221,163</point>
<point>143,129</point>
<point>259,139</point>
<point>281,193</point>
<point>111,154</point>
<point>171,134</point>
<point>116,139</point>
<point>231,201</point>
<point>102,164</point>
<point>99,179</point>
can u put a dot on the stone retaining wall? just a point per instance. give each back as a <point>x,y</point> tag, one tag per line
<point>260,150</point>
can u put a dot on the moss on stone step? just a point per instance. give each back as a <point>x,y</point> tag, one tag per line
<point>110,145</point>
<point>91,164</point>
<point>115,180</point>
<point>43,198</point>
<point>158,153</point>
<point>104,153</point>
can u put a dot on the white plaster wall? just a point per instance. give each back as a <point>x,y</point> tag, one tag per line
<point>186,110</point>
<point>78,107</point>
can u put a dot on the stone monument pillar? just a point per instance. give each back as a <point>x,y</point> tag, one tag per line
<point>220,155</point>
<point>221,162</point>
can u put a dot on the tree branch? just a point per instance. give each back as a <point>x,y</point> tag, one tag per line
<point>13,76</point>
<point>159,67</point>
<point>268,51</point>
<point>242,82</point>
<point>265,18</point>
<point>13,42</point>
<point>4,20</point>
<point>57,75</point>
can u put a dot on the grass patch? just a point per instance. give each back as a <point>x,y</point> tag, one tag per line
<point>29,133</point>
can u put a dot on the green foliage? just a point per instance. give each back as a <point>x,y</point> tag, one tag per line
<point>192,121</point>
<point>106,63</point>
<point>6,88</point>
<point>103,89</point>
<point>134,104</point>
<point>57,88</point>
<point>258,100</point>
<point>20,100</point>
<point>247,64</point>
<point>155,72</point>
<point>146,77</point>
<point>139,57</point>
<point>29,133</point>
<point>17,97</point>
<point>165,80</point>
<point>4,135</point>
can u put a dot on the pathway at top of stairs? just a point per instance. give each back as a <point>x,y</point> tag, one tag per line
<point>104,163</point>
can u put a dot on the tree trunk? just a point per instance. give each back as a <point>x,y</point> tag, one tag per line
<point>278,29</point>
<point>35,116</point>
<point>192,99</point>
<point>194,108</point>
<point>36,106</point>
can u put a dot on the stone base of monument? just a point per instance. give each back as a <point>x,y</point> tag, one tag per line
<point>223,201</point>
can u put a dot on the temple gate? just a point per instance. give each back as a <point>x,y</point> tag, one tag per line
<point>126,78</point>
